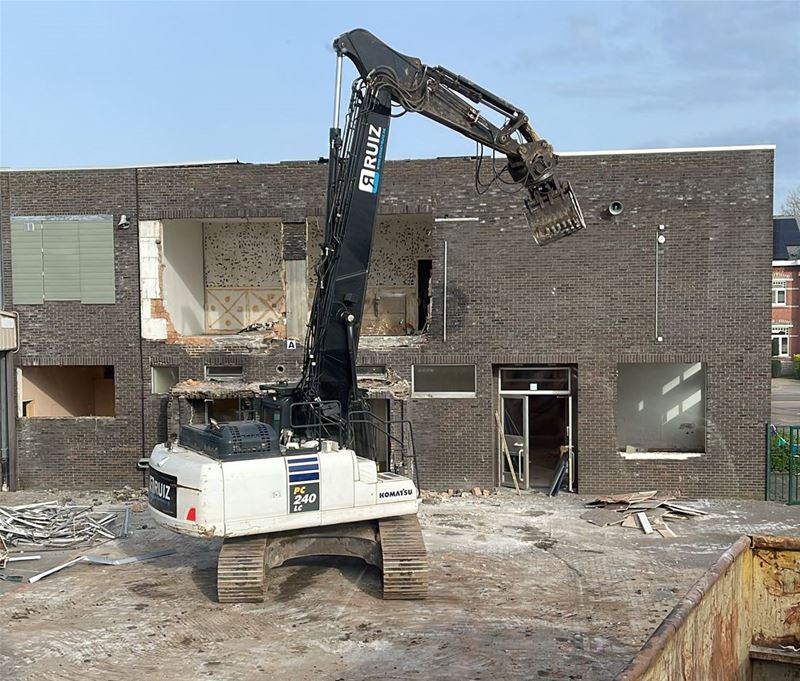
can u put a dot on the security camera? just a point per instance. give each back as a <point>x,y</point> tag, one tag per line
<point>123,223</point>
<point>615,207</point>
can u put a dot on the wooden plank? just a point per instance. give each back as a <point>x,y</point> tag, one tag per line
<point>688,510</point>
<point>645,505</point>
<point>629,498</point>
<point>502,436</point>
<point>630,521</point>
<point>644,523</point>
<point>665,531</point>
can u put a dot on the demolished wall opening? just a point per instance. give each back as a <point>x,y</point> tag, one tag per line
<point>397,300</point>
<point>661,408</point>
<point>163,378</point>
<point>424,269</point>
<point>66,391</point>
<point>211,277</point>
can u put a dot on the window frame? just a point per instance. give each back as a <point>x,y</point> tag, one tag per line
<point>781,336</point>
<point>435,394</point>
<point>224,377</point>
<point>651,453</point>
<point>777,289</point>
<point>566,391</point>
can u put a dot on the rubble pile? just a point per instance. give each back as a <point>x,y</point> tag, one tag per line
<point>645,511</point>
<point>51,525</point>
<point>431,497</point>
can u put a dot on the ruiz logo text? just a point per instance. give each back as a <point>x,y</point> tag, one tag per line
<point>370,177</point>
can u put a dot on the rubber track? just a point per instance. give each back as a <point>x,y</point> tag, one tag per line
<point>405,561</point>
<point>241,570</point>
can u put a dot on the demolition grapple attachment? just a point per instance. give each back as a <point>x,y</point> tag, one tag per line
<point>553,211</point>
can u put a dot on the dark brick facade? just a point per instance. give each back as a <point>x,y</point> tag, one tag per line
<point>587,301</point>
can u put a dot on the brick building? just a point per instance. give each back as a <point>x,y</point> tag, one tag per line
<point>153,296</point>
<point>786,291</point>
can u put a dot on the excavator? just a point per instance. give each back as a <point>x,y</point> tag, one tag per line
<point>301,479</point>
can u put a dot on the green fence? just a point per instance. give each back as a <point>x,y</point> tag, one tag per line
<point>783,463</point>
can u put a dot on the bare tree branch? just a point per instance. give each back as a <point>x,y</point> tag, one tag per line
<point>791,206</point>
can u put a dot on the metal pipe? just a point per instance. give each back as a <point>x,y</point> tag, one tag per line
<point>3,425</point>
<point>338,95</point>
<point>655,316</point>
<point>11,421</point>
<point>656,291</point>
<point>4,435</point>
<point>444,297</point>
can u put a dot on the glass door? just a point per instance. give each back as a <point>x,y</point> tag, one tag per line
<point>514,456</point>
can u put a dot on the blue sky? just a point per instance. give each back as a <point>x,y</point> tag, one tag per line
<point>121,83</point>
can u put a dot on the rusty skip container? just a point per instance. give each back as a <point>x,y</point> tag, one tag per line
<point>739,622</point>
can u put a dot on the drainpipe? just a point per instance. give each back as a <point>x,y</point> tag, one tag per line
<point>5,440</point>
<point>4,449</point>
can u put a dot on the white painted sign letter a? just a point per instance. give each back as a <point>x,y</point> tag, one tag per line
<point>291,345</point>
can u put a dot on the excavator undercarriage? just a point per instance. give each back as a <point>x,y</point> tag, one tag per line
<point>393,545</point>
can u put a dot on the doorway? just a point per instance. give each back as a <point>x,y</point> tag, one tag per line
<point>536,414</point>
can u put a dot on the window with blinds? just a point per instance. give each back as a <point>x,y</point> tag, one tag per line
<point>62,258</point>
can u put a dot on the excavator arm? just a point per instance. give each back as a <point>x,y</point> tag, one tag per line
<point>454,101</point>
<point>390,79</point>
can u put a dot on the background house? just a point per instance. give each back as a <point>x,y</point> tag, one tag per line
<point>785,291</point>
<point>638,343</point>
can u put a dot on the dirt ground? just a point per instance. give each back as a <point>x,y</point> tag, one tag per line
<point>521,587</point>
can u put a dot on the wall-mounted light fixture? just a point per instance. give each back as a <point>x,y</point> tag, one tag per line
<point>123,223</point>
<point>615,208</point>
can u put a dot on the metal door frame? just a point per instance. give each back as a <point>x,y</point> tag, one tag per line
<point>523,478</point>
<point>524,395</point>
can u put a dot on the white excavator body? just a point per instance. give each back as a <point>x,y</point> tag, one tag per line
<point>195,494</point>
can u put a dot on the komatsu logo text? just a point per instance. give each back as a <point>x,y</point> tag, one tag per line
<point>394,493</point>
<point>370,177</point>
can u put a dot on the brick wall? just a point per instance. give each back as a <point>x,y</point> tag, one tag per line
<point>586,301</point>
<point>87,451</point>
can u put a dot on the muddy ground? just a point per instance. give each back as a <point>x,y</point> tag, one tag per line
<point>521,588</point>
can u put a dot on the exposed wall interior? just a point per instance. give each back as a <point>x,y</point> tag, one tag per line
<point>67,391</point>
<point>184,295</point>
<point>212,276</point>
<point>661,408</point>
<point>243,267</point>
<point>394,290</point>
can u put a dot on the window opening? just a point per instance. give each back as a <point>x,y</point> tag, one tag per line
<point>443,380</point>
<point>424,269</point>
<point>67,391</point>
<point>661,408</point>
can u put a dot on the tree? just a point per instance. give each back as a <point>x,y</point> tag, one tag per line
<point>791,206</point>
